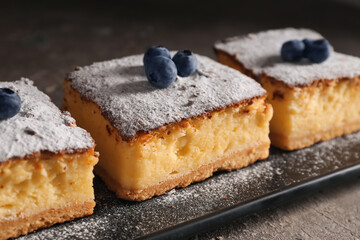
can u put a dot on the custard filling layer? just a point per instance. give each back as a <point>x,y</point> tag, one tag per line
<point>175,149</point>
<point>302,111</point>
<point>45,181</point>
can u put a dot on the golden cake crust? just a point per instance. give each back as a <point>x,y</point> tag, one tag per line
<point>47,154</point>
<point>227,59</point>
<point>230,162</point>
<point>159,130</point>
<point>25,224</point>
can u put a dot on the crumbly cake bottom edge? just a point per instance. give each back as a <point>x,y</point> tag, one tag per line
<point>297,142</point>
<point>25,224</point>
<point>236,160</point>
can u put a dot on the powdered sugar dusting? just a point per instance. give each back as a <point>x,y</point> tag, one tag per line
<point>39,126</point>
<point>245,177</point>
<point>127,99</point>
<point>118,219</point>
<point>336,67</point>
<point>260,53</point>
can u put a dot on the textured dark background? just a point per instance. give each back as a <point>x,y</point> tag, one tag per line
<point>45,40</point>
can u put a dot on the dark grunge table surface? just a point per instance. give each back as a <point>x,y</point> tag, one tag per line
<point>43,41</point>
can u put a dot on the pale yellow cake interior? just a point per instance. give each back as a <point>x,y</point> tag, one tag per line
<point>45,181</point>
<point>304,115</point>
<point>173,150</point>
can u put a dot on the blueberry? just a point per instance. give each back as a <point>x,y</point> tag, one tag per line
<point>161,72</point>
<point>155,51</point>
<point>10,103</point>
<point>317,51</point>
<point>186,63</point>
<point>292,51</point>
<point>307,43</point>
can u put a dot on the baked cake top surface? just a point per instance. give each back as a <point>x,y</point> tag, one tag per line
<point>39,126</point>
<point>121,90</point>
<point>260,53</point>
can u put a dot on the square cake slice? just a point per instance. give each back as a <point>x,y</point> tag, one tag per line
<point>46,165</point>
<point>152,140</point>
<point>312,102</point>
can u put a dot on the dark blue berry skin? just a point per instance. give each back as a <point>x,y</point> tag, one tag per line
<point>10,103</point>
<point>186,63</point>
<point>307,43</point>
<point>161,72</point>
<point>155,51</point>
<point>317,51</point>
<point>292,51</point>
